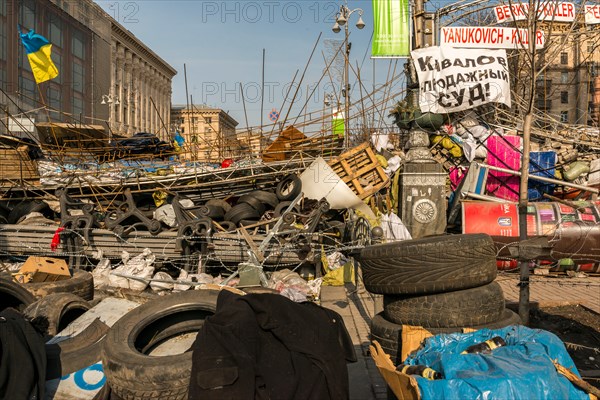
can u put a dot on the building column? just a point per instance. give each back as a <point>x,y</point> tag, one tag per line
<point>119,89</point>
<point>127,86</point>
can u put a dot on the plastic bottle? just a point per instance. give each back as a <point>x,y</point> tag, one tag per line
<point>485,347</point>
<point>421,370</point>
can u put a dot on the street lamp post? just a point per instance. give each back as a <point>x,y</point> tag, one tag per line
<point>342,17</point>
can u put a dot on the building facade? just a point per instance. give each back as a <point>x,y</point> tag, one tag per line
<point>99,62</point>
<point>566,90</point>
<point>209,133</point>
<point>140,93</point>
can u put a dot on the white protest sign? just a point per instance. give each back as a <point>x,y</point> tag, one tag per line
<point>453,80</point>
<point>483,37</point>
<point>592,14</point>
<point>547,11</point>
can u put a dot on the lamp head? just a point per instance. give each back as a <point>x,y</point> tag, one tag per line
<point>103,101</point>
<point>341,19</point>
<point>336,28</point>
<point>360,24</point>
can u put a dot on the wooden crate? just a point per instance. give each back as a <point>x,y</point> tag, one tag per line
<point>361,171</point>
<point>15,164</point>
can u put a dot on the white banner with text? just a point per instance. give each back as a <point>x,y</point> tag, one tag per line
<point>483,37</point>
<point>453,79</point>
<point>546,11</point>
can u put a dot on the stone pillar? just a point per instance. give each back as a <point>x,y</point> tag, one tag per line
<point>118,91</point>
<point>127,85</point>
<point>135,86</point>
<point>422,189</point>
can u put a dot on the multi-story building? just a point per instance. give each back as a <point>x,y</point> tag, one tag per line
<point>106,74</point>
<point>140,86</point>
<point>209,133</point>
<point>566,90</point>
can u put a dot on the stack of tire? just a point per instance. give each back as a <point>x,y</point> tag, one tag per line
<point>252,206</point>
<point>441,283</point>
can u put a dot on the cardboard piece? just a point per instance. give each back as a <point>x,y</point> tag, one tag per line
<point>404,386</point>
<point>43,269</point>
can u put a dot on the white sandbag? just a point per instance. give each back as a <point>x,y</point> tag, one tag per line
<point>140,266</point>
<point>162,286</point>
<point>393,228</point>
<point>166,215</point>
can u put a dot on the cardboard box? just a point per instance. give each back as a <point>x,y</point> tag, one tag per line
<point>43,269</point>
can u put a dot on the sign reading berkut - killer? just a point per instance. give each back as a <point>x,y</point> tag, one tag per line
<point>453,80</point>
<point>546,11</point>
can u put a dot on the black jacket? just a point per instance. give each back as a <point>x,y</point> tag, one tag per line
<point>264,346</point>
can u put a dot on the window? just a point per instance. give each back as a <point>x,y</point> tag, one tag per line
<point>564,77</point>
<point>194,120</point>
<point>564,97</point>
<point>564,116</point>
<point>27,15</point>
<point>54,98</point>
<point>24,60</point>
<point>78,107</point>
<point>55,35</point>
<point>208,120</point>
<point>57,60</point>
<point>27,88</point>
<point>207,129</point>
<point>590,48</point>
<point>78,77</point>
<point>3,42</point>
<point>78,45</point>
<point>564,58</point>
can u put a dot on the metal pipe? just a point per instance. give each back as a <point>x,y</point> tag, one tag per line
<point>484,197</point>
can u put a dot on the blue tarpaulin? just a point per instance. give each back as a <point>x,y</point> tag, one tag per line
<point>522,369</point>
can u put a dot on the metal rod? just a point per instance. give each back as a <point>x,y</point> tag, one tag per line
<point>262,106</point>
<point>484,197</point>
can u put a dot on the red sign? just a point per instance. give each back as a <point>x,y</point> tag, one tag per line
<point>495,219</point>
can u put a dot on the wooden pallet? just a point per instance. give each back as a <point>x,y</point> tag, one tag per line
<point>360,170</point>
<point>15,164</point>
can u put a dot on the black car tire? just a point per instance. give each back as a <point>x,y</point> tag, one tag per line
<point>240,212</point>
<point>469,307</point>
<point>80,284</point>
<point>13,294</point>
<point>59,308</point>
<point>134,375</point>
<point>430,265</point>
<point>289,188</point>
<point>389,334</point>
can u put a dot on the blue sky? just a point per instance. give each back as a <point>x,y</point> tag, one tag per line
<point>221,43</point>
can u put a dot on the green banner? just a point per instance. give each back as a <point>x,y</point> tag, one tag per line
<point>391,29</point>
<point>338,125</point>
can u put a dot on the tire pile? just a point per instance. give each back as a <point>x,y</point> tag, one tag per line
<point>442,283</point>
<point>251,207</point>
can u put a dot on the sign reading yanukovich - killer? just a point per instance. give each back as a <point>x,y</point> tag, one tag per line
<point>592,14</point>
<point>485,37</point>
<point>546,11</point>
<point>453,79</point>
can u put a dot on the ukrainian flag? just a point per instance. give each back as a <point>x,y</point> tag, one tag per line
<point>38,52</point>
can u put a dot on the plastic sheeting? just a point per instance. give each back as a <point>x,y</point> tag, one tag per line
<point>522,369</point>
